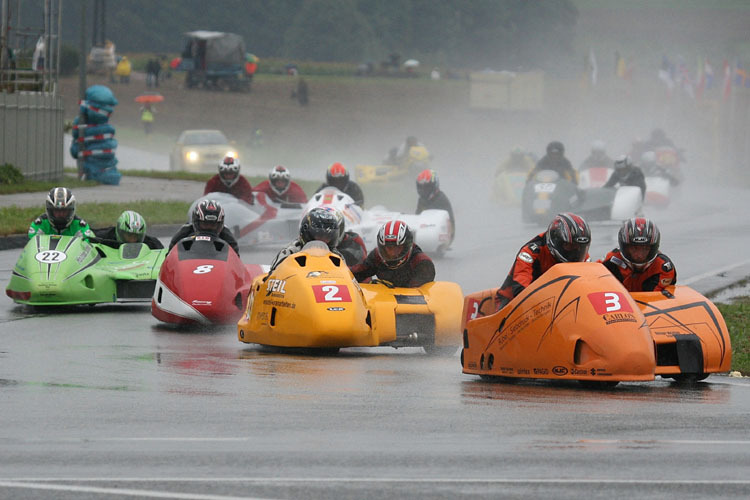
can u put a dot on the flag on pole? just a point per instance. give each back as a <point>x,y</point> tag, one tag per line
<point>727,79</point>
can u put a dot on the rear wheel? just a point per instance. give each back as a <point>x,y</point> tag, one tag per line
<point>689,378</point>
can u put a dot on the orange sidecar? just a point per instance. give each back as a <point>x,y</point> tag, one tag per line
<point>578,322</point>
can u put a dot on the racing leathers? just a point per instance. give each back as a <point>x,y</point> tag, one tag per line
<point>292,248</point>
<point>77,227</point>
<point>415,272</point>
<point>438,201</point>
<point>533,260</point>
<point>352,189</point>
<point>352,247</point>
<point>560,164</point>
<point>293,194</point>
<point>109,238</point>
<point>658,275</point>
<point>242,190</point>
<point>631,176</point>
<point>188,230</point>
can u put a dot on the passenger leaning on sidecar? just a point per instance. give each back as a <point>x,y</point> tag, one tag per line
<point>129,228</point>
<point>208,219</point>
<point>60,216</point>
<point>567,239</point>
<point>627,174</point>
<point>319,224</point>
<point>637,262</point>
<point>397,259</point>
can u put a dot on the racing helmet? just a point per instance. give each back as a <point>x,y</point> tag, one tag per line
<point>130,227</point>
<point>321,224</point>
<point>411,141</point>
<point>208,217</point>
<point>279,178</point>
<point>517,153</point>
<point>427,184</point>
<point>337,176</point>
<point>395,243</point>
<point>568,238</point>
<point>555,148</point>
<point>638,239</point>
<point>229,171</point>
<point>623,162</point>
<point>60,207</point>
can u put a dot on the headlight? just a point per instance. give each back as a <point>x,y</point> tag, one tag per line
<point>191,156</point>
<point>231,153</point>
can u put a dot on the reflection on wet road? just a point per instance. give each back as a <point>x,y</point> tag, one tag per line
<point>105,400</point>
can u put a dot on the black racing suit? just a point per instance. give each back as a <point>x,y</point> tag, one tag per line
<point>630,176</point>
<point>413,273</point>
<point>561,165</point>
<point>188,230</point>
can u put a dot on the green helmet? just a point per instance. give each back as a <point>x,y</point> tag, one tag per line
<point>130,227</point>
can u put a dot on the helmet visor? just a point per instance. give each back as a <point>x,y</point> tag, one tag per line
<point>573,252</point>
<point>208,226</point>
<point>128,237</point>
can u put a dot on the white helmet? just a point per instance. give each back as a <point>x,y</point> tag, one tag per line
<point>229,171</point>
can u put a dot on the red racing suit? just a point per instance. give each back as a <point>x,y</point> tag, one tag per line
<point>241,189</point>
<point>415,272</point>
<point>293,194</point>
<point>533,260</point>
<point>658,275</point>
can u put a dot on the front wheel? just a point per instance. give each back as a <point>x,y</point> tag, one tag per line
<point>598,384</point>
<point>689,378</point>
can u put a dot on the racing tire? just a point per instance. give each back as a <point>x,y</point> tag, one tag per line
<point>440,350</point>
<point>689,379</point>
<point>498,379</point>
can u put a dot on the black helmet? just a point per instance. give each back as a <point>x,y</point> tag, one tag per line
<point>337,176</point>
<point>568,238</point>
<point>639,242</point>
<point>229,171</point>
<point>427,184</point>
<point>411,141</point>
<point>60,207</point>
<point>320,224</point>
<point>208,217</point>
<point>555,147</point>
<point>395,243</point>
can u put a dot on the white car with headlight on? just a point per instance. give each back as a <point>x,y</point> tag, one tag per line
<point>200,151</point>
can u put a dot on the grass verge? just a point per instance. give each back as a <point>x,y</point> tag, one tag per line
<point>69,181</point>
<point>737,317</point>
<point>17,220</point>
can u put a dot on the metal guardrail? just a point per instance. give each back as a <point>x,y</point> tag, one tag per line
<point>31,133</point>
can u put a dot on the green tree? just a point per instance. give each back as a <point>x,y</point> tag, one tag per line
<point>330,30</point>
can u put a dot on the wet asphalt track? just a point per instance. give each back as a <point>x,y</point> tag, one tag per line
<point>104,402</point>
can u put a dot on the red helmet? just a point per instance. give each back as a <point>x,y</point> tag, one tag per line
<point>427,184</point>
<point>639,242</point>
<point>395,243</point>
<point>229,171</point>
<point>568,238</point>
<point>337,176</point>
<point>279,178</point>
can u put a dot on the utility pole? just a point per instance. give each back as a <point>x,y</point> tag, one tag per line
<point>82,80</point>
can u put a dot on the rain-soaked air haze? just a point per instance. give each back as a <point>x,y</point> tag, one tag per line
<point>106,401</point>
